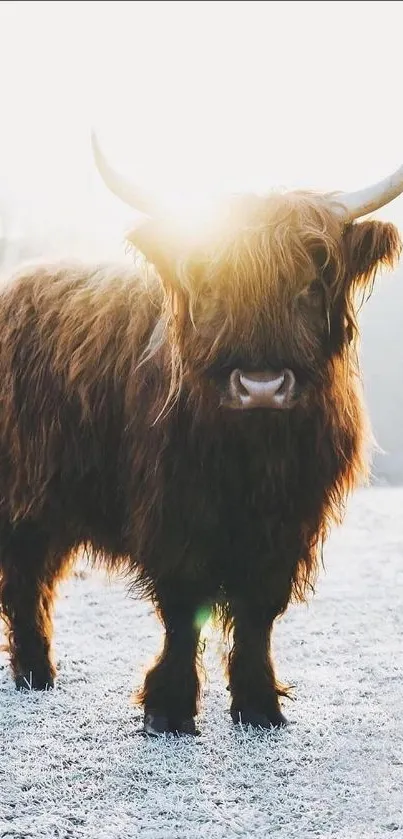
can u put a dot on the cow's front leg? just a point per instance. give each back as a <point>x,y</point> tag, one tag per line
<point>171,689</point>
<point>252,682</point>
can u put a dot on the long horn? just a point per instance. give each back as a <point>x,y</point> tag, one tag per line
<point>364,201</point>
<point>121,186</point>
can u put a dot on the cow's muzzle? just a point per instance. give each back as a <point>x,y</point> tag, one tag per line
<point>271,389</point>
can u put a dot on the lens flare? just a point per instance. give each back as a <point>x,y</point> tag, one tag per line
<point>202,617</point>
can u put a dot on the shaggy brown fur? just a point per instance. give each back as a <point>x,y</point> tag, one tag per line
<point>112,434</point>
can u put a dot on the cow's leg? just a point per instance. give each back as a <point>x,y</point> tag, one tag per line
<point>27,576</point>
<point>252,681</point>
<point>171,689</point>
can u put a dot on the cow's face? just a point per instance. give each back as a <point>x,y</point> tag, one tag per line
<point>261,304</point>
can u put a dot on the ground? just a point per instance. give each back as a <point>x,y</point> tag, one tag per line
<point>73,763</point>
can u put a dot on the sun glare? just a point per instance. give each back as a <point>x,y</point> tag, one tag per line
<point>192,217</point>
<point>192,99</point>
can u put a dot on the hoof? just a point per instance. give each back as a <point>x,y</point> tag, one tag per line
<point>32,681</point>
<point>157,724</point>
<point>186,727</point>
<point>259,720</point>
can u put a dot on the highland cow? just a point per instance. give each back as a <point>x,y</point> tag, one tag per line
<point>195,419</point>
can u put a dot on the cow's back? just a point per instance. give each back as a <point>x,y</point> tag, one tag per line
<point>70,336</point>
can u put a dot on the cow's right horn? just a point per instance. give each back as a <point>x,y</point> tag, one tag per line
<point>121,186</point>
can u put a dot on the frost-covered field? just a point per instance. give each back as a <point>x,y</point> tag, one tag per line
<point>74,765</point>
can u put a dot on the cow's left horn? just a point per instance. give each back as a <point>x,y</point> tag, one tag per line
<point>364,201</point>
<point>121,186</point>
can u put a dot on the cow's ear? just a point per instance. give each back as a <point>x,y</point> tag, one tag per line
<point>149,239</point>
<point>159,249</point>
<point>368,246</point>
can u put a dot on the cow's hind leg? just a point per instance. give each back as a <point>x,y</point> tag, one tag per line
<point>27,576</point>
<point>171,689</point>
<point>252,681</point>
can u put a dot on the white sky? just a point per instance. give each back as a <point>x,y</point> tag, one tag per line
<point>195,95</point>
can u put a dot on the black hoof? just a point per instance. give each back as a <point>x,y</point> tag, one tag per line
<point>32,681</point>
<point>186,727</point>
<point>259,720</point>
<point>157,724</point>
